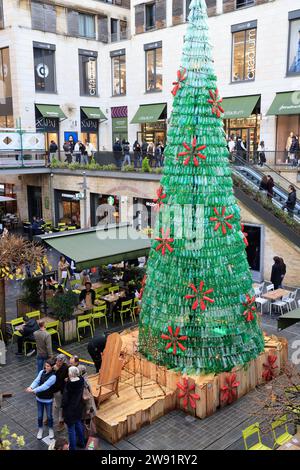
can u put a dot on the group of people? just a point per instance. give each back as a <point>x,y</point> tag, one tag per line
<point>293,149</point>
<point>155,153</point>
<point>267,185</point>
<point>82,153</point>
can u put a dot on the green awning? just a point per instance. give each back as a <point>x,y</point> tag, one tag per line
<point>148,113</point>
<point>51,111</point>
<point>94,113</point>
<point>95,247</point>
<point>285,103</point>
<point>239,107</point>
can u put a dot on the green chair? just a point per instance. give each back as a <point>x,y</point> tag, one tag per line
<point>101,292</point>
<point>52,329</point>
<point>27,343</point>
<point>285,436</point>
<point>72,227</point>
<point>1,334</point>
<point>125,308</point>
<point>135,306</point>
<point>113,289</point>
<point>34,314</point>
<point>98,313</point>
<point>251,431</point>
<point>61,224</point>
<point>84,321</point>
<point>100,302</point>
<point>13,324</point>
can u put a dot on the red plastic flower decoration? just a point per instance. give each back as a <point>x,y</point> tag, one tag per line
<point>215,101</point>
<point>174,340</point>
<point>245,235</point>
<point>160,197</point>
<point>221,220</point>
<point>229,391</point>
<point>192,151</point>
<point>188,394</point>
<point>181,76</point>
<point>140,296</point>
<point>165,241</point>
<point>200,296</point>
<point>269,374</point>
<point>250,308</point>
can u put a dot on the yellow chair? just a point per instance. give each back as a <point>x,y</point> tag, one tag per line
<point>284,437</point>
<point>61,224</point>
<point>1,334</point>
<point>251,431</point>
<point>135,306</point>
<point>125,308</point>
<point>99,302</point>
<point>26,343</point>
<point>34,314</point>
<point>113,289</point>
<point>72,227</point>
<point>52,329</point>
<point>98,313</point>
<point>100,292</point>
<point>13,323</point>
<point>84,321</point>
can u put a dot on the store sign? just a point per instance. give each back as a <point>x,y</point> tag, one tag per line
<point>110,200</point>
<point>42,70</point>
<point>89,125</point>
<point>251,54</point>
<point>92,77</point>
<point>47,124</point>
<point>117,53</point>
<point>119,124</point>
<point>153,45</point>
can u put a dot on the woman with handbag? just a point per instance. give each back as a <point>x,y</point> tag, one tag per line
<point>89,406</point>
<point>72,405</point>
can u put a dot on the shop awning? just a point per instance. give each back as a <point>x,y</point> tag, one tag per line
<point>285,103</point>
<point>239,107</point>
<point>148,113</point>
<point>90,248</point>
<point>51,111</point>
<point>6,199</point>
<point>94,113</point>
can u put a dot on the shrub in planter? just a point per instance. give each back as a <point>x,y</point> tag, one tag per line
<point>146,166</point>
<point>32,291</point>
<point>63,305</point>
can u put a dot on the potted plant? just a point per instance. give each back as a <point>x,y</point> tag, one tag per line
<point>31,298</point>
<point>62,307</point>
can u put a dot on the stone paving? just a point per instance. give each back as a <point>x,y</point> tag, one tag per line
<point>173,431</point>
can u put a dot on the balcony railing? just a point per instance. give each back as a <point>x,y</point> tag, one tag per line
<point>118,3</point>
<point>120,36</point>
<point>27,159</point>
<point>244,3</point>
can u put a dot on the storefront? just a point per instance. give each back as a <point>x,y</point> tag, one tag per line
<point>8,207</point>
<point>143,213</point>
<point>153,121</point>
<point>242,118</point>
<point>67,207</point>
<point>286,108</point>
<point>255,250</point>
<point>35,205</point>
<point>105,209</point>
<point>119,122</point>
<point>90,119</point>
<point>47,118</point>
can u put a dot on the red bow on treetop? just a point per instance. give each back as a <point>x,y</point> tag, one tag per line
<point>250,308</point>
<point>268,374</point>
<point>187,393</point>
<point>180,77</point>
<point>221,220</point>
<point>199,296</point>
<point>215,102</point>
<point>229,391</point>
<point>192,151</point>
<point>174,339</point>
<point>165,242</point>
<point>160,197</point>
<point>245,235</point>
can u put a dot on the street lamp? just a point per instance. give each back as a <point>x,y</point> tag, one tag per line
<point>83,196</point>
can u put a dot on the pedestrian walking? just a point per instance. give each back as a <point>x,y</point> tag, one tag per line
<point>95,349</point>
<point>144,149</point>
<point>68,152</point>
<point>264,184</point>
<point>63,271</point>
<point>126,152</point>
<point>42,387</point>
<point>261,154</point>
<point>43,345</point>
<point>117,148</point>
<point>84,155</point>
<point>270,186</point>
<point>158,155</point>
<point>291,201</point>
<point>72,405</point>
<point>61,369</point>
<point>77,152</point>
<point>90,150</point>
<point>276,272</point>
<point>52,151</point>
<point>283,270</point>
<point>294,148</point>
<point>137,155</point>
<point>231,148</point>
<point>151,152</point>
<point>241,150</point>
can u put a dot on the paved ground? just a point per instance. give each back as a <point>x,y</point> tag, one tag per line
<point>174,431</point>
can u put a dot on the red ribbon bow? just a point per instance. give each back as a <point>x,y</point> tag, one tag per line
<point>250,308</point>
<point>165,242</point>
<point>200,296</point>
<point>160,197</point>
<point>187,393</point>
<point>140,296</point>
<point>245,235</point>
<point>229,391</point>
<point>268,374</point>
<point>180,77</point>
<point>174,339</point>
<point>221,220</point>
<point>215,102</point>
<point>192,151</point>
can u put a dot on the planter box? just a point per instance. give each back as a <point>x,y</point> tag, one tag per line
<point>67,330</point>
<point>23,308</point>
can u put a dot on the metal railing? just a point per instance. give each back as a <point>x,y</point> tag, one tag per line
<point>27,159</point>
<point>273,157</point>
<point>120,36</point>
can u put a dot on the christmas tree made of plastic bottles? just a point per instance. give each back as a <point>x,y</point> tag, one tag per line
<point>198,308</point>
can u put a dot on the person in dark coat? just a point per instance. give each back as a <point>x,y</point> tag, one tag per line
<point>117,148</point>
<point>291,201</point>
<point>294,151</point>
<point>270,186</point>
<point>61,370</point>
<point>95,349</point>
<point>276,278</point>
<point>72,405</point>
<point>264,184</point>
<point>88,295</point>
<point>283,270</point>
<point>27,333</point>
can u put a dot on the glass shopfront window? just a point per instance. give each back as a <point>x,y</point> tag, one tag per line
<point>248,129</point>
<point>105,209</point>
<point>154,76</point>
<point>67,208</point>
<point>294,44</point>
<point>143,213</point>
<point>8,207</point>
<point>153,132</point>
<point>119,75</point>
<point>243,53</point>
<point>86,26</point>
<point>44,67</point>
<point>88,73</point>
<point>6,108</point>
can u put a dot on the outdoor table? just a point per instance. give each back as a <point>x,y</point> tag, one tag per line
<point>45,319</point>
<point>293,444</point>
<point>113,298</point>
<point>288,319</point>
<point>96,285</point>
<point>274,295</point>
<point>82,310</point>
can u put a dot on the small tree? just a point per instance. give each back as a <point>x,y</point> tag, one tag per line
<point>18,258</point>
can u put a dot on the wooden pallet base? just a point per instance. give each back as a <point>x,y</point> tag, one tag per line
<point>147,392</point>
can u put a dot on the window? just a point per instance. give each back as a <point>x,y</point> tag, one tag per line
<point>6,105</point>
<point>88,73</point>
<point>87,26</point>
<point>118,74</point>
<point>150,16</point>
<point>1,15</point>
<point>114,28</point>
<point>243,53</point>
<point>294,44</point>
<point>43,17</point>
<point>187,8</point>
<point>44,67</point>
<point>244,3</point>
<point>153,68</point>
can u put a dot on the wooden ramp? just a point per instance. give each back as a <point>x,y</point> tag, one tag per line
<point>120,416</point>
